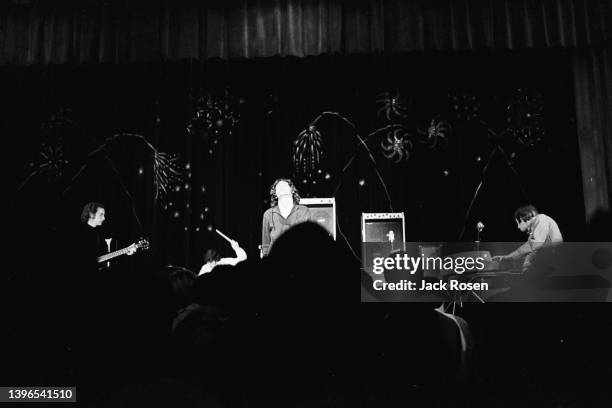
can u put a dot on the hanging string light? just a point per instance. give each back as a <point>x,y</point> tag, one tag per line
<point>166,173</point>
<point>214,116</point>
<point>524,117</point>
<point>436,133</point>
<point>391,105</point>
<point>307,151</point>
<point>396,145</point>
<point>466,107</point>
<point>50,161</point>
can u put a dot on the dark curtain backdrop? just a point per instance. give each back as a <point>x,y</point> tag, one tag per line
<point>593,88</point>
<point>277,98</point>
<point>126,63</point>
<point>126,31</point>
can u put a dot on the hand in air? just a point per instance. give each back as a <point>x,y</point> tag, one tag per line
<point>234,244</point>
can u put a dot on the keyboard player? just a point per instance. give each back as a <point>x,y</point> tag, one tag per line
<point>541,229</point>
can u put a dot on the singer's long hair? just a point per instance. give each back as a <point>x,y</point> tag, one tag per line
<point>294,192</point>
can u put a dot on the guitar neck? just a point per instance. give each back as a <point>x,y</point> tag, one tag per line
<point>113,254</point>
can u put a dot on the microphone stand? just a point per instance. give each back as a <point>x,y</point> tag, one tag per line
<point>479,228</point>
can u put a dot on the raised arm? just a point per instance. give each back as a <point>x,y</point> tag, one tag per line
<point>240,255</point>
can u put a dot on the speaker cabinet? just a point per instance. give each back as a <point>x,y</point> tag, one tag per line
<point>382,234</point>
<point>323,211</point>
<point>383,227</point>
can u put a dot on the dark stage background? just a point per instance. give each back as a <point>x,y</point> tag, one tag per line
<point>78,107</point>
<point>93,92</point>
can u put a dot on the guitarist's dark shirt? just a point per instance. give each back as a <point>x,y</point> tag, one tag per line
<point>80,278</point>
<point>90,245</point>
<point>93,292</point>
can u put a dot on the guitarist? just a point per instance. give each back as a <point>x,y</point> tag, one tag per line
<point>92,217</point>
<point>97,297</point>
<point>89,242</point>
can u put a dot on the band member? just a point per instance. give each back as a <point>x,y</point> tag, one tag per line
<point>89,241</point>
<point>284,213</point>
<point>212,257</point>
<point>541,229</point>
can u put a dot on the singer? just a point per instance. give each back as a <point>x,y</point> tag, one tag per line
<point>284,213</point>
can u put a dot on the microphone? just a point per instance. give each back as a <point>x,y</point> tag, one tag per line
<point>479,227</point>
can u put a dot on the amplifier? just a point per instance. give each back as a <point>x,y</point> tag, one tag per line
<point>381,235</point>
<point>382,227</point>
<point>323,211</point>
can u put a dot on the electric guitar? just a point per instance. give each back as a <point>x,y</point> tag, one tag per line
<point>141,244</point>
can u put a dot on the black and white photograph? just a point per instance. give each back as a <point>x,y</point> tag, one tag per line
<point>306,203</point>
